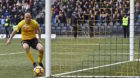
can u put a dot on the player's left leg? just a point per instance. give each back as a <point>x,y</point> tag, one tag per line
<point>40,54</point>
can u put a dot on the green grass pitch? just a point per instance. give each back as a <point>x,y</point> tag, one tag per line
<point>69,54</point>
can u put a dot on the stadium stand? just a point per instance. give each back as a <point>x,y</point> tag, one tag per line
<point>104,13</point>
<point>107,14</point>
<point>16,8</point>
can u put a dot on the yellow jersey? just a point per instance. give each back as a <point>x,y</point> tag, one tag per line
<point>28,31</point>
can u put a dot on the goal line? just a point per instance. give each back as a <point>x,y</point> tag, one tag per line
<point>99,76</point>
<point>86,69</point>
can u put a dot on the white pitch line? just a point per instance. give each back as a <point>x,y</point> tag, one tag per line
<point>98,76</point>
<point>12,53</point>
<point>76,53</point>
<point>92,44</point>
<point>4,44</point>
<point>40,77</point>
<point>90,68</point>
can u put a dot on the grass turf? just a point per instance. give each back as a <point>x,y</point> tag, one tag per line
<point>69,54</point>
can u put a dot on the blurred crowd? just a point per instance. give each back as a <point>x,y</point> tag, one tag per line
<point>15,9</point>
<point>69,12</point>
<point>101,11</point>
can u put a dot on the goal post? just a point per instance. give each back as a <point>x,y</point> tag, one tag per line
<point>47,38</point>
<point>100,55</point>
<point>131,30</point>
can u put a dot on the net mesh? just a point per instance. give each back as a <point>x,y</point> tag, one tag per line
<point>94,44</point>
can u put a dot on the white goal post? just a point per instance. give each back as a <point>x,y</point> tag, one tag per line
<point>47,38</point>
<point>48,35</point>
<point>131,30</point>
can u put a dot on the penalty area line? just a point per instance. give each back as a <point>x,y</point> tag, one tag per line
<point>86,69</point>
<point>12,53</point>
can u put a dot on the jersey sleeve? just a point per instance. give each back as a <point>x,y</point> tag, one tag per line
<point>19,25</point>
<point>36,24</point>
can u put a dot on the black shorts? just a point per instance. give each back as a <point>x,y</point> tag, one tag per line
<point>32,43</point>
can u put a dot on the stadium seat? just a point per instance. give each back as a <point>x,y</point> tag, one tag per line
<point>102,29</point>
<point>80,30</point>
<point>62,24</point>
<point>63,30</point>
<point>69,29</point>
<point>114,28</point>
<point>55,24</point>
<point>96,29</point>
<point>53,30</point>
<point>2,29</point>
<point>58,30</point>
<point>42,0</point>
<point>85,29</point>
<point>104,24</point>
<point>138,29</point>
<point>108,28</point>
<point>42,28</point>
<point>119,29</point>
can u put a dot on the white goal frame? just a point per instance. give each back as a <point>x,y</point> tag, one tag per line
<point>48,36</point>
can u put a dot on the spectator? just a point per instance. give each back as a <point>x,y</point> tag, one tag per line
<point>40,20</point>
<point>6,13</point>
<point>86,28</point>
<point>15,20</point>
<point>125,24</point>
<point>62,18</point>
<point>91,26</point>
<point>7,26</point>
<point>68,14</point>
<point>14,10</point>
<point>73,23</point>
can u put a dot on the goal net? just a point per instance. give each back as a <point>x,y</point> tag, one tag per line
<point>93,42</point>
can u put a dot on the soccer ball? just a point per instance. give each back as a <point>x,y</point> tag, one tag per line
<point>38,71</point>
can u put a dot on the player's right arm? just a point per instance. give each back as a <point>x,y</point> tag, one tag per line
<point>12,35</point>
<point>14,32</point>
